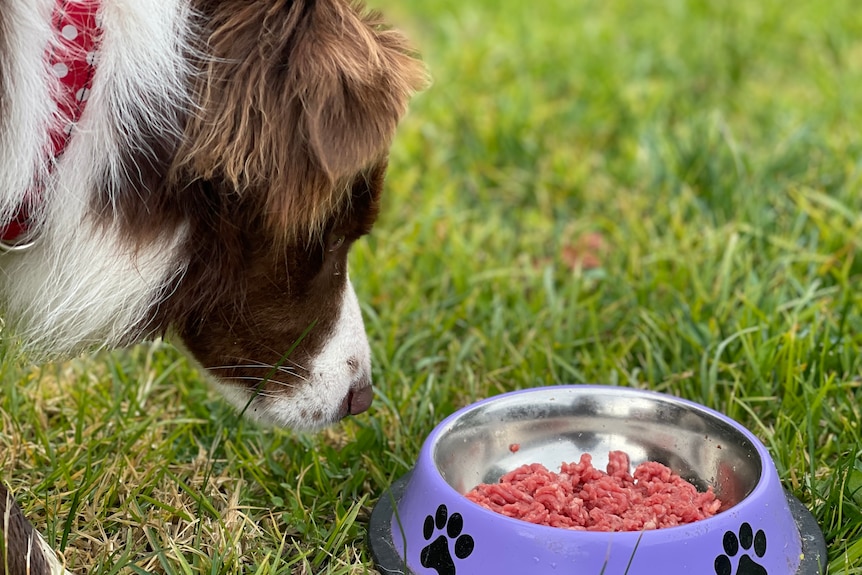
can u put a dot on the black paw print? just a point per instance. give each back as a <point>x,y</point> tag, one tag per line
<point>436,554</point>
<point>746,565</point>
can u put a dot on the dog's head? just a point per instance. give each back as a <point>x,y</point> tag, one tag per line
<point>228,157</point>
<point>280,170</point>
<point>224,219</point>
<point>274,318</point>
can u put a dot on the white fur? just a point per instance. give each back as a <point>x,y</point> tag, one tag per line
<point>27,112</point>
<point>54,564</point>
<point>80,287</point>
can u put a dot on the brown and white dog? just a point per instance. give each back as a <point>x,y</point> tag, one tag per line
<point>197,169</point>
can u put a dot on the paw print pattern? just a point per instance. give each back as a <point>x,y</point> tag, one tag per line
<point>437,555</point>
<point>747,541</point>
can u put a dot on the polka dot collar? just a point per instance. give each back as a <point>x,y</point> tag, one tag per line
<point>72,60</point>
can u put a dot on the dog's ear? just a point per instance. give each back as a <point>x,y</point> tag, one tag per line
<point>296,98</point>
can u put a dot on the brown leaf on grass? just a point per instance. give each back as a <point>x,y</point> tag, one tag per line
<point>584,252</point>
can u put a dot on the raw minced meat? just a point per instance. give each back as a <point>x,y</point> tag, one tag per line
<point>583,497</point>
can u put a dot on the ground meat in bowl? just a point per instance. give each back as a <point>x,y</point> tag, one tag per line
<point>583,497</point>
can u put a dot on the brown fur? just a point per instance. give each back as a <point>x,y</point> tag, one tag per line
<point>296,97</point>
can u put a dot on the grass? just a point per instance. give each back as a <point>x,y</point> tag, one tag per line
<point>656,195</point>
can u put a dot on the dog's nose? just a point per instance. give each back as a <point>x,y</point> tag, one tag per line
<point>359,399</point>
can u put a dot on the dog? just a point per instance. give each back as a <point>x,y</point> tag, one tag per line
<point>196,170</point>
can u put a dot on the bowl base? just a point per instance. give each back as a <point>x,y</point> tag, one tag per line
<point>380,543</point>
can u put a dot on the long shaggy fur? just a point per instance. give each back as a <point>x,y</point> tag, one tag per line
<point>81,286</point>
<point>336,75</point>
<point>272,108</point>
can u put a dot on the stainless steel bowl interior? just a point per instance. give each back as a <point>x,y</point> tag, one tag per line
<point>551,426</point>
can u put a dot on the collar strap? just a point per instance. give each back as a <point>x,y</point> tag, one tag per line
<point>71,58</point>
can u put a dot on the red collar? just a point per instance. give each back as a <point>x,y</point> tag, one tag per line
<point>72,59</point>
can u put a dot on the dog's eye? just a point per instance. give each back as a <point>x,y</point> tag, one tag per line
<point>335,242</point>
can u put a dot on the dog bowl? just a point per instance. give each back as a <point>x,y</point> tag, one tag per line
<point>424,525</point>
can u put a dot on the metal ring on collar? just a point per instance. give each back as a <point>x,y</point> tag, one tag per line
<point>23,245</point>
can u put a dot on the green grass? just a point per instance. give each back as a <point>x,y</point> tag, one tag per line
<point>660,195</point>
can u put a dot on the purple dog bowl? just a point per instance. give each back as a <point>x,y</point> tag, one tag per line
<point>425,525</point>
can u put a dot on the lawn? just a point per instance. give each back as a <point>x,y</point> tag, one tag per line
<point>659,195</point>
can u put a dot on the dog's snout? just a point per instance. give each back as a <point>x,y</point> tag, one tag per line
<point>359,399</point>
